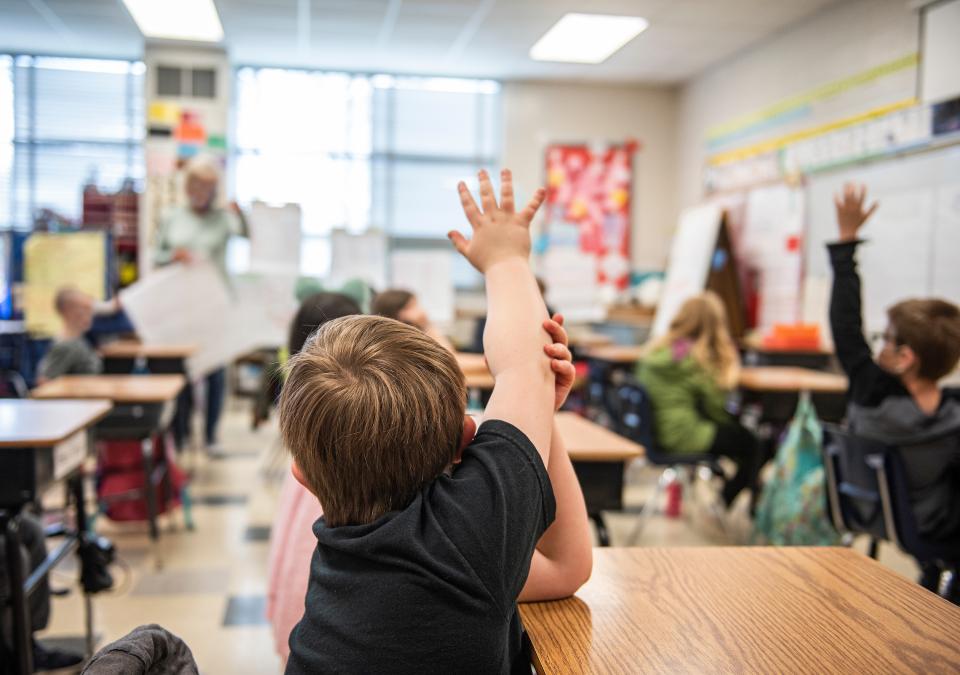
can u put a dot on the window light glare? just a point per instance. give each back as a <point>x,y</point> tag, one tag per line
<point>587,38</point>
<point>194,20</point>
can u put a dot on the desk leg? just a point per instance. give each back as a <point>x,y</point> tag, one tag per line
<point>76,487</point>
<point>16,575</point>
<point>150,495</point>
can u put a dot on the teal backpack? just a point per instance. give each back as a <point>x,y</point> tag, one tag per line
<point>793,507</point>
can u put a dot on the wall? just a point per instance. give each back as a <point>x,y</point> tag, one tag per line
<point>538,113</point>
<point>845,39</point>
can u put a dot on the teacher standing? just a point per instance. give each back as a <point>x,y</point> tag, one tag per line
<point>200,231</point>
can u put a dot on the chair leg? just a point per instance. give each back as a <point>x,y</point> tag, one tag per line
<point>648,508</point>
<point>187,502</point>
<point>874,548</point>
<point>603,536</point>
<point>945,587</point>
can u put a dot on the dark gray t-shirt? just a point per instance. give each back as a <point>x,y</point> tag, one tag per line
<point>70,357</point>
<point>432,588</point>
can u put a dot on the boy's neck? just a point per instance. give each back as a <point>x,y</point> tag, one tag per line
<point>71,332</point>
<point>924,392</point>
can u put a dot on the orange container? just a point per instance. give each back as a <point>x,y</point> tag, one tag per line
<point>793,337</point>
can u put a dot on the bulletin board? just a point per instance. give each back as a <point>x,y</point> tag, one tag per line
<point>589,187</point>
<point>53,261</point>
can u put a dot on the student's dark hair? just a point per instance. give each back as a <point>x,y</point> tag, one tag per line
<point>931,328</point>
<point>315,311</point>
<point>390,302</point>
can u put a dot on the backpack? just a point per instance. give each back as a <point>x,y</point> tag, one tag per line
<point>120,471</point>
<point>793,506</point>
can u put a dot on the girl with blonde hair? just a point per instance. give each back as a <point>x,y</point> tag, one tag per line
<point>687,374</point>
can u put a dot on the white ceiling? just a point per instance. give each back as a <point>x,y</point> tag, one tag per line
<point>442,37</point>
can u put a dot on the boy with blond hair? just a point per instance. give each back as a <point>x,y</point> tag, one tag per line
<point>430,533</point>
<point>897,398</point>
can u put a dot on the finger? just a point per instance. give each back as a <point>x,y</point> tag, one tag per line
<point>556,332</point>
<point>487,199</point>
<point>558,317</point>
<point>531,209</point>
<point>873,207</point>
<point>564,370</point>
<point>861,194</point>
<point>558,351</point>
<point>470,209</point>
<point>506,191</point>
<point>459,242</point>
<point>838,202</point>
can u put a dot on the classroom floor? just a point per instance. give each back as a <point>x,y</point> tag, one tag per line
<point>211,588</point>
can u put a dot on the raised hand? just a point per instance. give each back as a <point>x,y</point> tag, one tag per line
<point>499,232</point>
<point>561,360</point>
<point>850,211</point>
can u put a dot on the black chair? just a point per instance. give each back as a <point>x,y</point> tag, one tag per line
<point>634,420</point>
<point>868,493</point>
<point>12,385</point>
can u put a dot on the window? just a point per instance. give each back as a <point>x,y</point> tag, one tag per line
<point>64,122</point>
<point>359,152</point>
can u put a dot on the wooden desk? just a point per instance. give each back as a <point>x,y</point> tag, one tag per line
<point>144,409</point>
<point>472,363</point>
<point>791,380</point>
<point>622,355</point>
<point>587,441</point>
<point>130,349</point>
<point>743,610</point>
<point>589,340</point>
<point>117,388</point>
<point>26,423</point>
<point>599,457</point>
<point>40,442</point>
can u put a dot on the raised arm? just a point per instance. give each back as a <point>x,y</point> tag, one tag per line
<point>563,559</point>
<point>846,322</point>
<point>513,341</point>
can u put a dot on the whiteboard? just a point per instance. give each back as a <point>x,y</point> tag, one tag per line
<point>689,264</point>
<point>912,244</point>
<point>939,74</point>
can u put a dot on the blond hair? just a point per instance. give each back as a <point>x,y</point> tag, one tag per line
<point>703,320</point>
<point>372,410</point>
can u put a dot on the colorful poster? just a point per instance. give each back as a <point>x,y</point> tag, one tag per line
<point>589,188</point>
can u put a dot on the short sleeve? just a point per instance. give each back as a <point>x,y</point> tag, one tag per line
<point>495,507</point>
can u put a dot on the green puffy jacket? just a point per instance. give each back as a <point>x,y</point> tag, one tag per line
<point>687,403</point>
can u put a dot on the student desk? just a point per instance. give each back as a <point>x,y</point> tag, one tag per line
<point>143,410</point>
<point>120,357</point>
<point>123,357</point>
<point>617,355</point>
<point>599,457</point>
<point>776,390</point>
<point>40,442</point>
<point>743,610</point>
<point>758,354</point>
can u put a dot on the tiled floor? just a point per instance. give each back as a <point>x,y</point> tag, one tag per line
<point>210,589</point>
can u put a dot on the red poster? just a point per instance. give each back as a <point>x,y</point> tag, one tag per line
<point>590,189</point>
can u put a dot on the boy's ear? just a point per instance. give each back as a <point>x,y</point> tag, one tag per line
<point>298,474</point>
<point>466,436</point>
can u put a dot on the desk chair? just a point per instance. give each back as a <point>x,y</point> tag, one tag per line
<point>635,421</point>
<point>12,385</point>
<point>868,494</point>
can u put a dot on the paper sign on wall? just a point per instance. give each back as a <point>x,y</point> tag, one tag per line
<point>429,275</point>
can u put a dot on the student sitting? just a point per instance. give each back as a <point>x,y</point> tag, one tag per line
<point>70,353</point>
<point>687,374</point>
<point>896,398</point>
<point>291,539</point>
<point>430,534</point>
<point>404,306</point>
